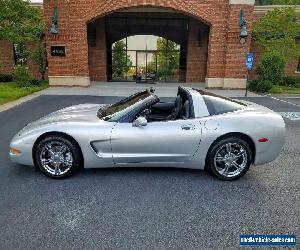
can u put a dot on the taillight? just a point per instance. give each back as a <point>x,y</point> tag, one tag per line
<point>263,140</point>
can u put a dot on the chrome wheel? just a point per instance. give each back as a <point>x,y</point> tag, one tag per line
<point>230,159</point>
<point>56,158</point>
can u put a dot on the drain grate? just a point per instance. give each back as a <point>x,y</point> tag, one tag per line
<point>294,116</point>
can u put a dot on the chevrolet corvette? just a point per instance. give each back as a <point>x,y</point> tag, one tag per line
<point>197,130</point>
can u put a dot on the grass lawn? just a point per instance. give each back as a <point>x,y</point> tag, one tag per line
<point>276,89</point>
<point>10,91</point>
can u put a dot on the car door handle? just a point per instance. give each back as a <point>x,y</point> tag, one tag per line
<point>188,127</point>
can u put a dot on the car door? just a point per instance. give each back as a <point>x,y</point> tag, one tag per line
<point>157,142</point>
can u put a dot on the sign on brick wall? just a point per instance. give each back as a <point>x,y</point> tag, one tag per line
<point>58,50</point>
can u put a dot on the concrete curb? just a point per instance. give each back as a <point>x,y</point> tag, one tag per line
<point>17,102</point>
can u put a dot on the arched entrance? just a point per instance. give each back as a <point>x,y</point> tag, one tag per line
<point>148,45</point>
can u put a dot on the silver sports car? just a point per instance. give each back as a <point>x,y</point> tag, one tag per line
<point>198,130</point>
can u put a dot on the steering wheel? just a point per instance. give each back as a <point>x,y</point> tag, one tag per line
<point>146,112</point>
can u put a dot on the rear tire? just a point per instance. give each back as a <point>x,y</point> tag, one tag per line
<point>229,158</point>
<point>57,157</point>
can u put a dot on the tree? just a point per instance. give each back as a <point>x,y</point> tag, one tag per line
<point>121,62</point>
<point>277,2</point>
<point>277,31</point>
<point>40,58</point>
<point>167,57</point>
<point>20,23</point>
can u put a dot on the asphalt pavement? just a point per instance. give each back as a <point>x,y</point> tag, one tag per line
<point>143,208</point>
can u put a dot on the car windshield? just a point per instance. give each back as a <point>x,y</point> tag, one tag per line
<point>114,112</point>
<point>218,104</point>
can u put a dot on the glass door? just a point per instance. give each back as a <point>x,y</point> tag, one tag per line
<point>151,67</point>
<point>146,58</point>
<point>141,66</point>
<point>172,72</point>
<point>146,66</point>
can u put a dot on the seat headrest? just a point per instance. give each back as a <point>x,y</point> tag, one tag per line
<point>185,113</point>
<point>178,101</point>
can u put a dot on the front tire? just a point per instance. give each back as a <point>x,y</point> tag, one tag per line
<point>229,158</point>
<point>57,157</point>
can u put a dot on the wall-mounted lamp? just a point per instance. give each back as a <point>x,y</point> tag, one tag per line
<point>243,26</point>
<point>53,28</point>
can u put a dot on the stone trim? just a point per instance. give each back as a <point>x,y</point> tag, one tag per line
<point>214,82</point>
<point>226,83</point>
<point>82,81</point>
<point>245,2</point>
<point>234,83</point>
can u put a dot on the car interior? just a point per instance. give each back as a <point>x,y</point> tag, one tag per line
<point>168,111</point>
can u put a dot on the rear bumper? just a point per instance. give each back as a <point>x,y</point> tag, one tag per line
<point>267,152</point>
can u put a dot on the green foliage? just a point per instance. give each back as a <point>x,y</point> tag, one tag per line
<point>262,86</point>
<point>277,32</point>
<point>6,78</point>
<point>270,71</point>
<point>22,76</point>
<point>20,22</point>
<point>253,85</point>
<point>121,62</point>
<point>291,81</point>
<point>277,2</point>
<point>35,82</point>
<point>271,68</point>
<point>286,2</point>
<point>167,58</point>
<point>39,56</point>
<point>11,91</point>
<point>285,90</point>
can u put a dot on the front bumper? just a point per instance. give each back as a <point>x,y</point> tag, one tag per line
<point>25,156</point>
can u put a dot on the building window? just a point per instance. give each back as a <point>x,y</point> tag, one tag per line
<point>20,54</point>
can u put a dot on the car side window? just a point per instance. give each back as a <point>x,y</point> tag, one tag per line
<point>217,105</point>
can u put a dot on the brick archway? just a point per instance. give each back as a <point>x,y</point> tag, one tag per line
<point>185,7</point>
<point>225,63</point>
<point>204,15</point>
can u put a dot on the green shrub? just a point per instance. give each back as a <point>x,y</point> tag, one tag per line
<point>291,81</point>
<point>35,82</point>
<point>253,85</point>
<point>22,76</point>
<point>6,78</point>
<point>264,86</point>
<point>261,86</point>
<point>271,68</point>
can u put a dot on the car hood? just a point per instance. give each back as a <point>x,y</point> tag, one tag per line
<point>83,113</point>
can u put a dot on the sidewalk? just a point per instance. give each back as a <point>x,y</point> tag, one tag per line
<point>128,88</point>
<point>124,89</point>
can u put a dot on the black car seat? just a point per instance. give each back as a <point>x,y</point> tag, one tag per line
<point>176,110</point>
<point>185,112</point>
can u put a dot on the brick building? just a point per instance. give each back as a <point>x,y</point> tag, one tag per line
<point>146,40</point>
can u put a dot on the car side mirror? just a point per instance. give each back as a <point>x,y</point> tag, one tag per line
<point>140,122</point>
